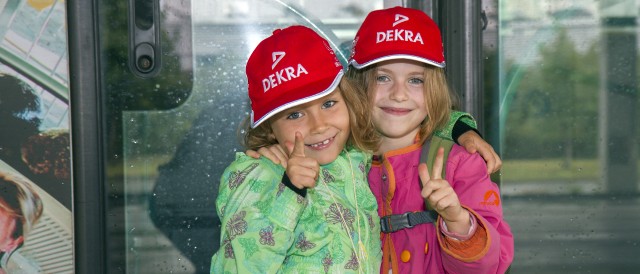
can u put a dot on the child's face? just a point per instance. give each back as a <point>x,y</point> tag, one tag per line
<point>324,124</point>
<point>398,100</point>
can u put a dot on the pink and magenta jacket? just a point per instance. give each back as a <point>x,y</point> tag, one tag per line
<point>395,182</point>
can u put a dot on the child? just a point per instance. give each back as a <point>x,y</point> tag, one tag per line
<point>398,56</point>
<point>320,216</point>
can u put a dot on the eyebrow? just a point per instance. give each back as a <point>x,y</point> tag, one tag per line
<point>389,71</point>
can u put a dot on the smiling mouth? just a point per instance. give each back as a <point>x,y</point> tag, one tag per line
<point>322,145</point>
<point>395,111</point>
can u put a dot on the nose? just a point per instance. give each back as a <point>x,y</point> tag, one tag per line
<point>318,121</point>
<point>398,92</point>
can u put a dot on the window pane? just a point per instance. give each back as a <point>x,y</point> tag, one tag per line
<point>568,121</point>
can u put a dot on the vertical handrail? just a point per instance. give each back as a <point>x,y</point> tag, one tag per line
<point>86,124</point>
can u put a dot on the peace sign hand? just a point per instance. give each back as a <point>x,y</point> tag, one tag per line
<point>302,171</point>
<point>442,198</point>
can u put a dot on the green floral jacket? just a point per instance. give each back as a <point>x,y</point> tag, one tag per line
<point>268,228</point>
<point>455,117</point>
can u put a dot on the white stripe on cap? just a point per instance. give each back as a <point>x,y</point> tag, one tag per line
<point>357,65</point>
<point>298,102</point>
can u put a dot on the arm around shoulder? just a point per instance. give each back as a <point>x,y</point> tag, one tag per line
<point>459,122</point>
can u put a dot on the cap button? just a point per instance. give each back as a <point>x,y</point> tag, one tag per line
<point>276,31</point>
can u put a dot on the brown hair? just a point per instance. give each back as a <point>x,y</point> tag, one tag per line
<point>48,153</point>
<point>363,134</point>
<point>436,94</point>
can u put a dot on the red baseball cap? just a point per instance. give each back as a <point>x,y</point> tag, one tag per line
<point>397,33</point>
<point>293,66</point>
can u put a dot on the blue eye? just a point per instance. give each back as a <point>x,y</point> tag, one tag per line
<point>382,78</point>
<point>416,81</point>
<point>294,115</point>
<point>329,104</point>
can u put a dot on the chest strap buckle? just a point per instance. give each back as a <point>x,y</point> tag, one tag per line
<point>395,222</point>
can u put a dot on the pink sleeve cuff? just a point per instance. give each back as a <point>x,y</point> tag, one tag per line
<point>457,236</point>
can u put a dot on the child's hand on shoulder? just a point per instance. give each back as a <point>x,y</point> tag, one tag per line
<point>302,171</point>
<point>441,196</point>
<point>473,143</point>
<point>275,153</point>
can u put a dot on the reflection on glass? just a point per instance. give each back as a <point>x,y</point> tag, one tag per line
<point>569,133</point>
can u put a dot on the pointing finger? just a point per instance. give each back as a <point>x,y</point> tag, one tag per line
<point>437,164</point>
<point>423,171</point>
<point>298,148</point>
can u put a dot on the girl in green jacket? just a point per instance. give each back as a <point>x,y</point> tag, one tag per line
<point>318,215</point>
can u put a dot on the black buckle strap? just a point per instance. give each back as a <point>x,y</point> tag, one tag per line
<point>395,222</point>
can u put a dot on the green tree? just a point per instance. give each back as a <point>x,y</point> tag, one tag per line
<point>554,109</point>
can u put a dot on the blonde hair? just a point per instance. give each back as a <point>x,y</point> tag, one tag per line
<point>21,202</point>
<point>436,94</point>
<point>363,134</point>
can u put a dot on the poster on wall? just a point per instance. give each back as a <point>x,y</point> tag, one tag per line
<point>36,224</point>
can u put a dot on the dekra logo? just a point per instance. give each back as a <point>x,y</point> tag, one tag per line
<point>282,75</point>
<point>276,56</point>
<point>399,34</point>
<point>399,19</point>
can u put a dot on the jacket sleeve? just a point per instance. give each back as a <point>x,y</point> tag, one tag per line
<point>456,118</point>
<point>258,215</point>
<point>467,173</point>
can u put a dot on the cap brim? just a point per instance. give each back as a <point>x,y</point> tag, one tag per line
<point>357,65</point>
<point>284,106</point>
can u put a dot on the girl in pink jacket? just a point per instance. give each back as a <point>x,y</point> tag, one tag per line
<point>430,223</point>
